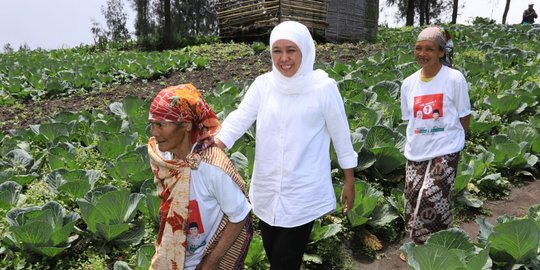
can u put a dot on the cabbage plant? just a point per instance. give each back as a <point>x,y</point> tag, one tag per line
<point>10,195</point>
<point>450,249</point>
<point>109,214</point>
<point>75,183</point>
<point>512,243</point>
<point>44,230</point>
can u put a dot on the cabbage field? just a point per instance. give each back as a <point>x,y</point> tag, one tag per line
<point>76,192</point>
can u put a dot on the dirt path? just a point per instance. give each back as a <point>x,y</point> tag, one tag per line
<point>517,204</point>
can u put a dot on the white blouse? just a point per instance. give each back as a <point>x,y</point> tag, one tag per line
<point>291,183</point>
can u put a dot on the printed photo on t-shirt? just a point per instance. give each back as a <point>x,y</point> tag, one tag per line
<point>196,238</point>
<point>428,110</point>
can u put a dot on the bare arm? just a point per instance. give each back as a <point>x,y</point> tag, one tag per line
<point>465,121</point>
<point>219,143</point>
<point>230,233</point>
<point>348,194</point>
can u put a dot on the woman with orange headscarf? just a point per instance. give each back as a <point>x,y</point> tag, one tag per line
<point>204,213</point>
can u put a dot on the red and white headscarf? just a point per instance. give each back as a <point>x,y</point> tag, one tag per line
<point>184,103</point>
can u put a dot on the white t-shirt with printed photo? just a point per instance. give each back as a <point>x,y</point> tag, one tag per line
<point>212,194</point>
<point>433,110</point>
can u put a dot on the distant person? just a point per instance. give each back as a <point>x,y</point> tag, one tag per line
<point>448,48</point>
<point>529,15</point>
<point>442,95</point>
<point>297,111</point>
<point>205,220</point>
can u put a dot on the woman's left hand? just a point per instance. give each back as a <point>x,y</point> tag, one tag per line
<point>347,198</point>
<point>347,195</point>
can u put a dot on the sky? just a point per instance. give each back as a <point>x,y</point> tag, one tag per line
<point>51,24</point>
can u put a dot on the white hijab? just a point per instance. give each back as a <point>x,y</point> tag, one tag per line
<point>305,78</point>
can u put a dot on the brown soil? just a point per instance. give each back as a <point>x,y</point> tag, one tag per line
<point>37,112</point>
<point>517,204</point>
<point>239,70</point>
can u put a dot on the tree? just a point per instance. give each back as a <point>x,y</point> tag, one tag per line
<point>406,8</point>
<point>24,48</point>
<point>195,17</point>
<point>143,20</point>
<point>410,13</point>
<point>506,8</point>
<point>455,6</point>
<point>167,33</point>
<point>164,24</point>
<point>8,48</point>
<point>423,10</point>
<point>427,11</point>
<point>116,19</point>
<point>100,35</point>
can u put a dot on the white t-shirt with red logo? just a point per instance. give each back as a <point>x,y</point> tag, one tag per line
<point>433,110</point>
<point>212,194</point>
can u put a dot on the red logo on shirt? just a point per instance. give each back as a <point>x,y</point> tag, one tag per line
<point>425,106</point>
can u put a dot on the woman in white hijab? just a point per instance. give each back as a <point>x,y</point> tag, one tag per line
<point>297,111</point>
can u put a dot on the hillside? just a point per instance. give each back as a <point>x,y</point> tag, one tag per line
<point>74,130</point>
<point>219,70</point>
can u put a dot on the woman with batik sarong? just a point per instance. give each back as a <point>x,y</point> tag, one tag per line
<point>439,95</point>
<point>205,220</point>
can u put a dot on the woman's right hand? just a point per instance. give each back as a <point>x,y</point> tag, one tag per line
<point>219,143</point>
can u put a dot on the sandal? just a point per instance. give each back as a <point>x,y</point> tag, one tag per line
<point>402,256</point>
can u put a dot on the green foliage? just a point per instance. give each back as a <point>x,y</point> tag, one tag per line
<point>320,232</point>
<point>132,167</point>
<point>38,193</point>
<point>144,258</point>
<point>44,230</point>
<point>364,204</point>
<point>109,214</point>
<point>328,253</point>
<point>449,249</point>
<point>75,183</point>
<point>10,195</point>
<point>62,156</point>
<point>511,243</point>
<point>51,161</point>
<point>256,257</point>
<point>482,21</point>
<point>151,202</point>
<point>38,74</point>
<point>325,247</point>
<point>515,241</point>
<point>258,47</point>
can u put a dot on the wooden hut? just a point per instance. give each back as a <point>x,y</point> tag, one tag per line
<point>329,20</point>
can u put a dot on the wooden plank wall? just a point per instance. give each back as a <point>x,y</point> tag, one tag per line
<point>312,13</point>
<point>352,20</point>
<point>246,18</point>
<point>331,20</point>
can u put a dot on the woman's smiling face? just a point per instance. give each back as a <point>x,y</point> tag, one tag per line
<point>428,53</point>
<point>286,57</point>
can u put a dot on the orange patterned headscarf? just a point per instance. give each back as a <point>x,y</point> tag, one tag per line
<point>184,103</point>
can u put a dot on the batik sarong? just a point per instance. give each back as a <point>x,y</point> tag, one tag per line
<point>428,193</point>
